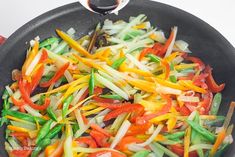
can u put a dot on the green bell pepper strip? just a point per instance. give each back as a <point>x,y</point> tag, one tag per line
<point>173,78</point>
<point>48,42</point>
<point>66,104</point>
<point>6,106</point>
<point>116,64</point>
<point>154,58</point>
<point>92,83</point>
<point>196,137</point>
<point>24,116</point>
<point>205,133</point>
<point>44,131</point>
<point>114,96</point>
<point>216,104</point>
<point>54,131</point>
<point>5,94</point>
<point>175,135</point>
<point>142,153</point>
<point>41,145</point>
<point>51,114</point>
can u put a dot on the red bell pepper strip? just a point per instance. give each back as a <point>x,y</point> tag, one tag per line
<point>126,109</point>
<point>16,102</point>
<point>201,65</point>
<point>212,85</point>
<point>84,95</point>
<point>138,129</point>
<point>104,100</point>
<point>44,56</point>
<point>26,97</point>
<point>167,68</point>
<point>98,91</point>
<point>179,150</point>
<point>122,145</point>
<point>36,78</point>
<point>184,111</point>
<point>206,103</point>
<point>100,139</point>
<point>19,134</point>
<point>166,45</point>
<point>21,153</point>
<point>56,77</point>
<point>101,130</point>
<point>156,49</point>
<point>102,152</point>
<point>88,141</point>
<point>146,51</point>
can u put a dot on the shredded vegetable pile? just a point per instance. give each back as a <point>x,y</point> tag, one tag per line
<point>125,89</point>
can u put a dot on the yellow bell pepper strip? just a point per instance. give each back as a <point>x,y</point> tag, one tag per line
<point>189,84</point>
<point>171,123</point>
<point>143,85</point>
<point>49,149</point>
<point>30,58</point>
<point>187,142</point>
<point>169,84</point>
<point>89,63</point>
<point>219,140</point>
<point>124,68</point>
<point>98,109</point>
<point>17,129</point>
<point>166,65</point>
<point>163,117</point>
<point>185,66</point>
<point>73,43</point>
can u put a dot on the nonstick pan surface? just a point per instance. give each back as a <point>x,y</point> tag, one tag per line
<point>205,42</point>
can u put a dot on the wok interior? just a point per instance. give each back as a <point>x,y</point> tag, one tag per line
<point>204,42</point>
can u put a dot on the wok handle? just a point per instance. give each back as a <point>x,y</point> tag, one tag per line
<point>2,40</point>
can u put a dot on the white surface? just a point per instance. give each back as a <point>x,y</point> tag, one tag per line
<point>218,13</point>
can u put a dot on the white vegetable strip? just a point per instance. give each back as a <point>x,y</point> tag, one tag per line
<point>32,111</point>
<point>170,48</point>
<point>182,45</point>
<point>80,131</point>
<point>68,152</point>
<point>136,62</point>
<point>111,86</point>
<point>135,148</point>
<point>168,90</point>
<point>121,133</point>
<point>151,138</point>
<point>68,76</point>
<point>188,98</point>
<point>33,64</point>
<point>79,95</point>
<point>80,121</point>
<point>10,92</point>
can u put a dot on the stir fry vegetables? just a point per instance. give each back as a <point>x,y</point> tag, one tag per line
<point>124,90</point>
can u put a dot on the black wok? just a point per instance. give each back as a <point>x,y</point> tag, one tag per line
<point>204,42</point>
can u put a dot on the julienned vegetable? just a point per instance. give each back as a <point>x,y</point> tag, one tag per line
<point>121,91</point>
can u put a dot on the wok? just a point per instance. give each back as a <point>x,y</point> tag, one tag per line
<point>205,42</point>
